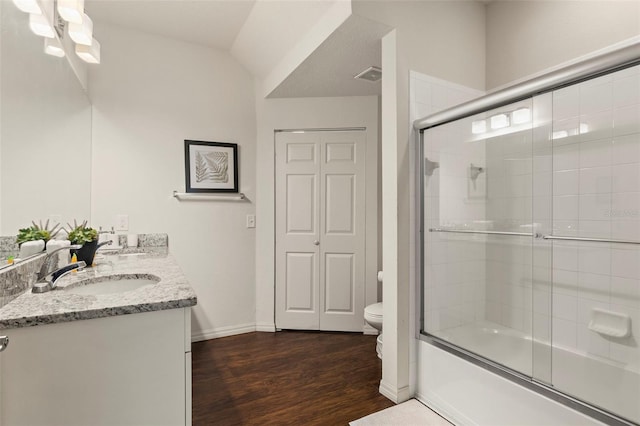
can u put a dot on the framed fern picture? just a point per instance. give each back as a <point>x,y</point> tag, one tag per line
<point>211,166</point>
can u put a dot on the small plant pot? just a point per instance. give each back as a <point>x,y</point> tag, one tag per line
<point>86,253</point>
<point>29,248</point>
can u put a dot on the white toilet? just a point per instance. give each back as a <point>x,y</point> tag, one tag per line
<point>373,317</point>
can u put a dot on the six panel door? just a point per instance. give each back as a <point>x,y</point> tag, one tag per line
<point>320,230</point>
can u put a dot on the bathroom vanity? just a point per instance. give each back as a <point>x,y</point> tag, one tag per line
<point>81,355</point>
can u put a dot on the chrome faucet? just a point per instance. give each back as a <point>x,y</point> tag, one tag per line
<point>104,243</point>
<point>100,231</point>
<point>46,278</point>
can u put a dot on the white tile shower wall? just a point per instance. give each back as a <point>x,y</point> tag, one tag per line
<point>541,303</point>
<point>596,193</point>
<point>509,279</point>
<point>454,267</point>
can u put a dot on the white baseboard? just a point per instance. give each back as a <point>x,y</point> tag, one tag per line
<point>266,327</point>
<point>215,333</point>
<point>396,395</point>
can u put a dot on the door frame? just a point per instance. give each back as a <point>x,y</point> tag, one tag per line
<point>309,113</point>
<point>372,226</point>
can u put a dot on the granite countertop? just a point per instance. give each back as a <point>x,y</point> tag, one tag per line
<point>170,292</point>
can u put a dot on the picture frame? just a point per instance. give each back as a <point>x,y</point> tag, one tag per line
<point>210,166</point>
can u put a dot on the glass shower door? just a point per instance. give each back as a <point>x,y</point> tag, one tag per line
<point>596,242</point>
<point>478,234</point>
<point>531,239</point>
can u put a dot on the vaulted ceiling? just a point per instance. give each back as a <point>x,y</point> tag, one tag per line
<point>213,23</point>
<point>260,35</point>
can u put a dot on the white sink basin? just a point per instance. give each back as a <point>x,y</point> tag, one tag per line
<point>110,286</point>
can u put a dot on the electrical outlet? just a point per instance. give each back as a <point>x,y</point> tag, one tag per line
<point>251,221</point>
<point>122,222</point>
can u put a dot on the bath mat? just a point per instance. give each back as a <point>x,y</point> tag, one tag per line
<point>409,413</point>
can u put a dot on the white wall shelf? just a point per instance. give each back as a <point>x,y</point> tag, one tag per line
<point>194,196</point>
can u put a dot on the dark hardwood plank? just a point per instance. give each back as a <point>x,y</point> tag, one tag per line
<point>286,378</point>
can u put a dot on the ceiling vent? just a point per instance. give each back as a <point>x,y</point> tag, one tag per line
<point>370,74</point>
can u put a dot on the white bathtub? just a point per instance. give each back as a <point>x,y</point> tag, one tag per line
<point>611,386</point>
<point>505,346</point>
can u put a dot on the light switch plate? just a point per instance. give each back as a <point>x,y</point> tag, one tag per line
<point>251,221</point>
<point>122,222</point>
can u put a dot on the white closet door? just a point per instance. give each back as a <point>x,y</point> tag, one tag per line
<point>342,230</point>
<point>320,230</point>
<point>297,230</point>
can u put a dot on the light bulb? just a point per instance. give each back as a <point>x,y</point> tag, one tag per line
<point>82,33</point>
<point>71,10</point>
<point>28,6</point>
<point>583,128</point>
<point>41,26</point>
<point>560,134</point>
<point>90,54</point>
<point>499,121</point>
<point>522,115</point>
<point>478,127</point>
<point>53,47</point>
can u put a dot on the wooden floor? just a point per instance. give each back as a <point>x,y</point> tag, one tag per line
<point>286,378</point>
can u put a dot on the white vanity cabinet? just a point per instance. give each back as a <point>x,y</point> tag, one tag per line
<point>122,370</point>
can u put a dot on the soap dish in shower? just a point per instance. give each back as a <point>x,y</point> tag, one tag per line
<point>609,323</point>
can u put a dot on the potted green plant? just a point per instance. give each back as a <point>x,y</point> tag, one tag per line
<point>37,232</point>
<point>85,236</point>
<point>36,237</point>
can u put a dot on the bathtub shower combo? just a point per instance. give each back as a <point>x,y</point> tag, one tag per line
<point>531,234</point>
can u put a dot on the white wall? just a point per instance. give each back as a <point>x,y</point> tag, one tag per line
<point>149,94</point>
<point>444,40</point>
<point>396,310</point>
<point>525,37</point>
<point>279,35</point>
<point>272,29</point>
<point>308,113</point>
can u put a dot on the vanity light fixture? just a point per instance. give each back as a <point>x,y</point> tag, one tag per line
<point>71,11</point>
<point>502,120</point>
<point>28,6</point>
<point>499,121</point>
<point>82,33</point>
<point>580,130</point>
<point>41,26</point>
<point>521,115</point>
<point>478,127</point>
<point>80,26</point>
<point>90,54</point>
<point>53,47</point>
